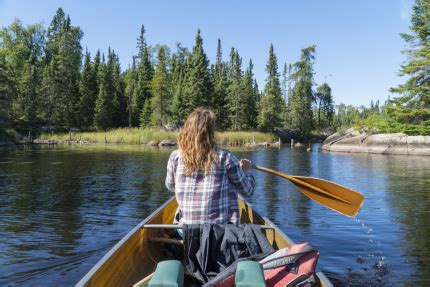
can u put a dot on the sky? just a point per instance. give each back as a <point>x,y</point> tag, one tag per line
<point>358,46</point>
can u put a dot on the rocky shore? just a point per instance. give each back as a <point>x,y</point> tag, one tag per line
<point>352,141</point>
<point>163,143</point>
<point>54,142</point>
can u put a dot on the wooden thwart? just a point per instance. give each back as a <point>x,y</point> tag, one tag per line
<point>166,240</point>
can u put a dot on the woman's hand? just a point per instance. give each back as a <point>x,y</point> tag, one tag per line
<point>245,164</point>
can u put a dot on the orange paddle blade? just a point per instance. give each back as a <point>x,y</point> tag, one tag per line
<point>332,195</point>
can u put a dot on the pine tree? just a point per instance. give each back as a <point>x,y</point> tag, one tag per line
<point>116,90</point>
<point>199,87</point>
<point>160,91</point>
<point>88,91</point>
<point>62,70</point>
<point>103,108</point>
<point>325,107</point>
<point>178,84</point>
<point>271,105</point>
<point>413,107</point>
<point>284,82</point>
<point>249,109</point>
<point>220,92</point>
<point>145,70</point>
<point>235,93</point>
<point>130,79</point>
<point>302,94</point>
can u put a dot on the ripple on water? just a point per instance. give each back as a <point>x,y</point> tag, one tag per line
<point>59,219</point>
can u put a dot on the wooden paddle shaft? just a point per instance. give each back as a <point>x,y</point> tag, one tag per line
<point>300,182</point>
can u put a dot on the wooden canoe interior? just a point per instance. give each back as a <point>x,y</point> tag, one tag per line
<point>135,257</point>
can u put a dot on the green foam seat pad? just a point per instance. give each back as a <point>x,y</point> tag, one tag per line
<point>169,273</point>
<point>249,273</point>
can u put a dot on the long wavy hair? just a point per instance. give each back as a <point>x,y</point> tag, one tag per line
<point>197,141</point>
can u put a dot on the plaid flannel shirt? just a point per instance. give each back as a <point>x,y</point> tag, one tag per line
<point>209,197</point>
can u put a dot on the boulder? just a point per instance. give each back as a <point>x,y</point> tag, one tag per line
<point>6,143</point>
<point>419,145</point>
<point>167,143</point>
<point>260,144</point>
<point>349,133</point>
<point>152,143</point>
<point>398,143</point>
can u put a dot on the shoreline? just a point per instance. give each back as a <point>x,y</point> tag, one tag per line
<point>163,143</point>
<point>147,137</point>
<point>352,141</point>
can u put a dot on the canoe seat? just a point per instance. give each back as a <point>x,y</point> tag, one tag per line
<point>169,273</point>
<point>249,273</point>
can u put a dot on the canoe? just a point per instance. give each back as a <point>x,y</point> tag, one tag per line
<point>136,255</point>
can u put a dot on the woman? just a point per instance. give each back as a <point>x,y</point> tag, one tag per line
<point>205,178</point>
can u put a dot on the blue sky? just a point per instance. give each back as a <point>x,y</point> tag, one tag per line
<point>358,42</point>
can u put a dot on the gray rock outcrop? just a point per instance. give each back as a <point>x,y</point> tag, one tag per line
<point>398,143</point>
<point>167,143</point>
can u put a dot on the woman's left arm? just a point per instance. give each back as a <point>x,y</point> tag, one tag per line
<point>170,176</point>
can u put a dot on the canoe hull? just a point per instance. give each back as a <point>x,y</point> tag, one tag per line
<point>135,257</point>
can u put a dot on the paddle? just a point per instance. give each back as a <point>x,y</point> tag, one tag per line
<point>334,196</point>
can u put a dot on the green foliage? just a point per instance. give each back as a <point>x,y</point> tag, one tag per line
<point>236,99</point>
<point>145,115</point>
<point>220,93</point>
<point>139,136</point>
<point>383,123</point>
<point>160,91</point>
<point>302,95</point>
<point>250,95</point>
<point>271,105</point>
<point>88,90</point>
<point>42,84</point>
<point>178,78</point>
<point>325,106</point>
<point>142,90</point>
<point>20,54</point>
<point>116,88</point>
<point>61,73</point>
<point>198,86</point>
<point>130,82</point>
<point>413,106</point>
<point>103,108</point>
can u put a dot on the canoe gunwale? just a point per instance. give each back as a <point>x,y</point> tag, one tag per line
<point>93,271</point>
<point>119,244</point>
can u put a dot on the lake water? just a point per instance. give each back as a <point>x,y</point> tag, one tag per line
<point>62,208</point>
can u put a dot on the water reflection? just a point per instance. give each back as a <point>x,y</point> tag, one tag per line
<point>64,207</point>
<point>410,203</point>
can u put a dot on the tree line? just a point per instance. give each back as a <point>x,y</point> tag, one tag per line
<point>48,82</point>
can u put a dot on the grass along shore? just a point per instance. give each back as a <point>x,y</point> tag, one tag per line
<point>143,136</point>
